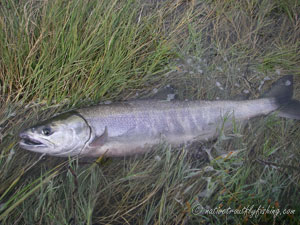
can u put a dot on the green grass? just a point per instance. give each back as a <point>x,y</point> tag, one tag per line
<point>57,55</point>
<point>49,49</point>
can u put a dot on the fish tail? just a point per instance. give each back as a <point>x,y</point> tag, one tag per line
<point>282,91</point>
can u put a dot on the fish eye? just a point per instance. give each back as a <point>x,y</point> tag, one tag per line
<point>47,131</point>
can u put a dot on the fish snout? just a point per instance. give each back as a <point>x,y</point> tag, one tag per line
<point>23,135</point>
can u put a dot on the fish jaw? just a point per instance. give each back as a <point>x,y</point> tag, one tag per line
<point>29,142</point>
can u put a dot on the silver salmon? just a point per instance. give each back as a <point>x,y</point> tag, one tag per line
<point>133,127</point>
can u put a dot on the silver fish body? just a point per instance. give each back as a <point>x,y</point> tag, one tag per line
<point>128,128</point>
<point>134,127</point>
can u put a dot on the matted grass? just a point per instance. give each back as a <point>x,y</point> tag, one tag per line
<point>57,55</point>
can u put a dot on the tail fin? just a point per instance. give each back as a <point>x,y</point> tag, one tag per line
<point>282,91</point>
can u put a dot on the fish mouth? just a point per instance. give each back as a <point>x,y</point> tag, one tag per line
<point>27,141</point>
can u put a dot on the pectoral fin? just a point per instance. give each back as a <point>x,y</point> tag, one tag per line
<point>99,140</point>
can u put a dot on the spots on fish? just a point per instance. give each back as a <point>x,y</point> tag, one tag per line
<point>201,116</point>
<point>119,124</point>
<point>288,83</point>
<point>174,123</point>
<point>152,125</point>
<point>192,123</point>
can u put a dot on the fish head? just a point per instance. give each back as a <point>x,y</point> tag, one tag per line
<point>63,135</point>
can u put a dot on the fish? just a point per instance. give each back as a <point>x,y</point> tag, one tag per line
<point>134,127</point>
